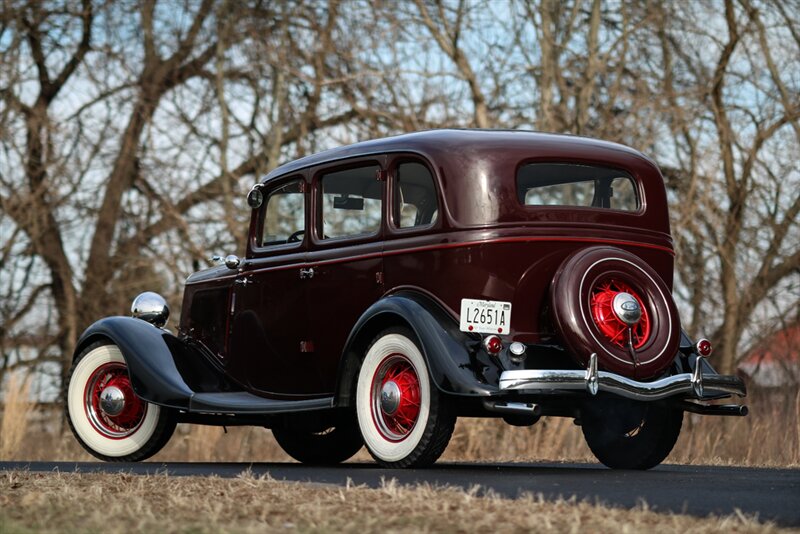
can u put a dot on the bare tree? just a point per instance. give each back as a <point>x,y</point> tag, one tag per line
<point>129,132</point>
<point>113,158</point>
<point>735,120</point>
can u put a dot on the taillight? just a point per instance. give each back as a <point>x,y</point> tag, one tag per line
<point>704,348</point>
<point>492,344</point>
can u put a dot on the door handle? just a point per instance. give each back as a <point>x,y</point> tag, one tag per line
<point>306,273</point>
<point>243,281</point>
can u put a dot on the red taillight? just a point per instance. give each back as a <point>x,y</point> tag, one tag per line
<point>492,344</point>
<point>704,348</point>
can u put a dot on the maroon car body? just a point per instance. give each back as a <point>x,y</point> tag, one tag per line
<point>390,241</point>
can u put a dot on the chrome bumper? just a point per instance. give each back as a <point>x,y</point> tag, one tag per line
<point>688,385</point>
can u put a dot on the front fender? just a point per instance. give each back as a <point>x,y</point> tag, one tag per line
<point>455,361</point>
<point>150,354</point>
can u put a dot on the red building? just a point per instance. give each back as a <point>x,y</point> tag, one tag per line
<point>776,362</point>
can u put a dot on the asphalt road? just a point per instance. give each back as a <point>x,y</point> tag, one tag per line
<point>772,494</point>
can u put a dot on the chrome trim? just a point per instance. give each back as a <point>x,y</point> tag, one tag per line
<point>232,261</point>
<point>256,196</point>
<point>112,401</point>
<point>535,381</point>
<point>517,350</point>
<point>697,378</point>
<point>390,397</point>
<point>515,408</point>
<point>592,384</point>
<point>627,308</point>
<point>150,307</point>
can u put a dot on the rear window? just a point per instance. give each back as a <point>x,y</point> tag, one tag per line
<point>562,184</point>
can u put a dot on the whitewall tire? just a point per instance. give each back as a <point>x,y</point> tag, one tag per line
<point>104,413</point>
<point>404,419</point>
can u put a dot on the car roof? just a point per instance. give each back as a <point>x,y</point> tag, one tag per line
<point>470,143</point>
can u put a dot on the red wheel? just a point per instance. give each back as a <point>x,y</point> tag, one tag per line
<point>112,408</point>
<point>395,397</point>
<point>105,414</point>
<point>404,419</point>
<point>609,302</point>
<point>608,320</point>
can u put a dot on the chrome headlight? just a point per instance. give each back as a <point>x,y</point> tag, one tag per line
<point>150,307</point>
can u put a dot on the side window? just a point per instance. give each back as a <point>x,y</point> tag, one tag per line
<point>414,196</point>
<point>351,202</point>
<point>623,195</point>
<point>284,215</point>
<point>565,184</point>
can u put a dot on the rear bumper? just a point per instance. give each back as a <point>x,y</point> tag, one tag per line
<point>695,385</point>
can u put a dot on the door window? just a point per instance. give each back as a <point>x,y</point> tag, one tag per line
<point>351,202</point>
<point>414,196</point>
<point>284,216</point>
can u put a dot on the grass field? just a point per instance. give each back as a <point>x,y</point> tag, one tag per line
<point>53,502</point>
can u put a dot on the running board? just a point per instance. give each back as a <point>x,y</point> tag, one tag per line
<point>243,403</point>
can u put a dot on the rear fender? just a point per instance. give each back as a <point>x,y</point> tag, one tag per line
<point>163,369</point>
<point>454,359</point>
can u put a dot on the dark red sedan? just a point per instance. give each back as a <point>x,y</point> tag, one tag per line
<point>391,286</point>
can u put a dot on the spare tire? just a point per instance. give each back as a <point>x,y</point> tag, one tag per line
<point>582,301</point>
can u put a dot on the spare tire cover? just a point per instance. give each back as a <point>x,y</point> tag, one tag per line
<point>581,300</point>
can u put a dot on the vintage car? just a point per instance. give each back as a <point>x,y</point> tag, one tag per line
<point>391,286</point>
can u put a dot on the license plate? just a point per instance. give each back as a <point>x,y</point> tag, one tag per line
<point>485,316</point>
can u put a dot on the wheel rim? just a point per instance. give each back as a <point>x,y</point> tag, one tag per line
<point>609,323</point>
<point>395,397</point>
<point>112,408</point>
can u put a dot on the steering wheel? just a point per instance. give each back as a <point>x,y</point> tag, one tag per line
<point>295,236</point>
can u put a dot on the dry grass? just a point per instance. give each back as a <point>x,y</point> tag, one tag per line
<point>16,414</point>
<point>769,436</point>
<point>53,502</point>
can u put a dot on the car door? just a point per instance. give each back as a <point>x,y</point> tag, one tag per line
<point>345,256</point>
<point>270,320</point>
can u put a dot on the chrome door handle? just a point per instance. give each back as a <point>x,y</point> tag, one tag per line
<point>307,273</point>
<point>242,281</point>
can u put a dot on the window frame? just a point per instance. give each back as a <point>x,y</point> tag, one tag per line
<point>392,186</point>
<point>316,201</point>
<point>638,188</point>
<point>261,217</point>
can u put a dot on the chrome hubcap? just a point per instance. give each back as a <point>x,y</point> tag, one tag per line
<point>627,308</point>
<point>390,397</point>
<point>112,401</point>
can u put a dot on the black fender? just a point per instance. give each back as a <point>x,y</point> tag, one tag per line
<point>455,361</point>
<point>159,363</point>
